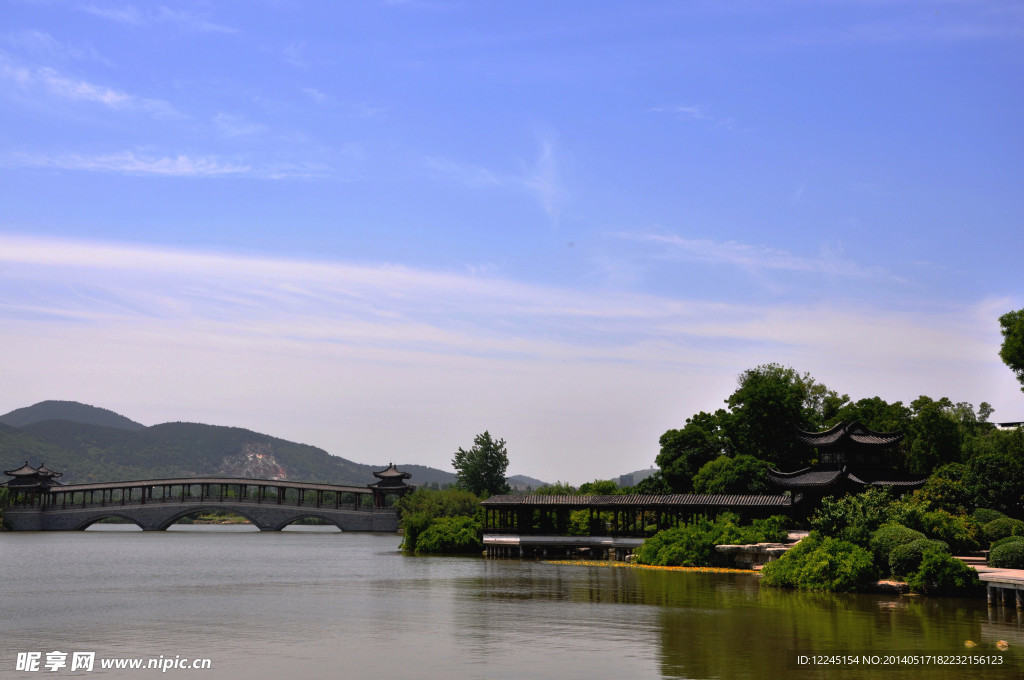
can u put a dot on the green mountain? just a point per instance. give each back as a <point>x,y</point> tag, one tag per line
<point>117,449</point>
<point>69,410</point>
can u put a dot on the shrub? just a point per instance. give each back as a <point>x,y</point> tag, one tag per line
<point>853,518</point>
<point>1004,541</point>
<point>942,574</point>
<point>693,544</point>
<point>959,531</point>
<point>822,563</point>
<point>450,535</point>
<point>1001,528</point>
<point>889,536</point>
<point>985,515</point>
<point>906,559</point>
<point>1007,556</point>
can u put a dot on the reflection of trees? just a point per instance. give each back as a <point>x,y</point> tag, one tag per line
<point>722,627</point>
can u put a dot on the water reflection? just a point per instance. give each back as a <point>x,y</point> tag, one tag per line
<point>310,604</point>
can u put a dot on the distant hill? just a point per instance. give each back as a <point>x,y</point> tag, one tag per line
<point>522,482</point>
<point>90,444</point>
<point>69,410</point>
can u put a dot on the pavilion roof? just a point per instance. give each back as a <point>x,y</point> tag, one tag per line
<point>23,471</point>
<point>391,472</point>
<point>846,433</point>
<point>834,475</point>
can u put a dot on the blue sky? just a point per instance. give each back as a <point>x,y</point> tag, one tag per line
<point>383,227</point>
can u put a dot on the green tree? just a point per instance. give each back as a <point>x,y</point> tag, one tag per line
<point>685,451</point>
<point>769,403</point>
<point>876,414</point>
<point>935,434</point>
<point>739,475</point>
<point>1012,350</point>
<point>481,470</point>
<point>556,489</point>
<point>600,487</point>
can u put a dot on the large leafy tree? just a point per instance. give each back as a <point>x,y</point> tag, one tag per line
<point>725,474</point>
<point>770,402</point>
<point>1012,351</point>
<point>685,451</point>
<point>481,469</point>
<point>934,434</point>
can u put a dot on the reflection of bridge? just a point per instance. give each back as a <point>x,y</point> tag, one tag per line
<point>156,504</point>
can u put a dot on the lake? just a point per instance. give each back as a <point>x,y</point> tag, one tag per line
<point>308,603</point>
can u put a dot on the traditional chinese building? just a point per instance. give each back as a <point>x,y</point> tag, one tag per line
<point>392,482</point>
<point>851,457</point>
<point>28,481</point>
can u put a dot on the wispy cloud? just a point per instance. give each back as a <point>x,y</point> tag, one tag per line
<point>753,257</point>
<point>281,336</point>
<point>45,47</point>
<point>123,14</point>
<point>57,84</point>
<point>133,16</point>
<point>541,178</point>
<point>130,163</point>
<point>238,126</point>
<point>697,113</point>
<point>193,22</point>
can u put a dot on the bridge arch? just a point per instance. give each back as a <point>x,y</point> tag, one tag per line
<point>235,510</point>
<point>292,520</point>
<point>110,515</point>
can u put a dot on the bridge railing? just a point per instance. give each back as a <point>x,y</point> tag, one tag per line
<point>70,500</point>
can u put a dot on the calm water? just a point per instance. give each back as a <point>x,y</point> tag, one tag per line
<point>309,605</point>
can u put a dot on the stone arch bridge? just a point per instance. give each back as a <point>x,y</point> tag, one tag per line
<point>156,504</point>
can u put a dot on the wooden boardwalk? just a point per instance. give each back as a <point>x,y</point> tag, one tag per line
<point>1003,585</point>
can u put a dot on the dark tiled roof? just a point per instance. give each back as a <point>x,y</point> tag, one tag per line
<point>73,488</point>
<point>855,432</point>
<point>24,470</point>
<point>829,477</point>
<point>633,500</point>
<point>392,471</point>
<point>807,477</point>
<point>47,472</point>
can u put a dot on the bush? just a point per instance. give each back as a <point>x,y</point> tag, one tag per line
<point>693,544</point>
<point>985,515</point>
<point>822,563</point>
<point>1007,556</point>
<point>451,535</point>
<point>888,537</point>
<point>418,510</point>
<point>853,518</point>
<point>1001,528</point>
<point>942,574</point>
<point>1004,541</point>
<point>959,531</point>
<point>906,559</point>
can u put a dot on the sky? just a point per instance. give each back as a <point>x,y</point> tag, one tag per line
<point>383,227</point>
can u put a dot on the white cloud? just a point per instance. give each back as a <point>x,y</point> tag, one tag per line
<point>133,16</point>
<point>380,361</point>
<point>130,163</point>
<point>44,46</point>
<point>540,179</point>
<point>544,179</point>
<point>55,83</point>
<point>124,14</point>
<point>754,257</point>
<point>238,126</point>
<point>697,113</point>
